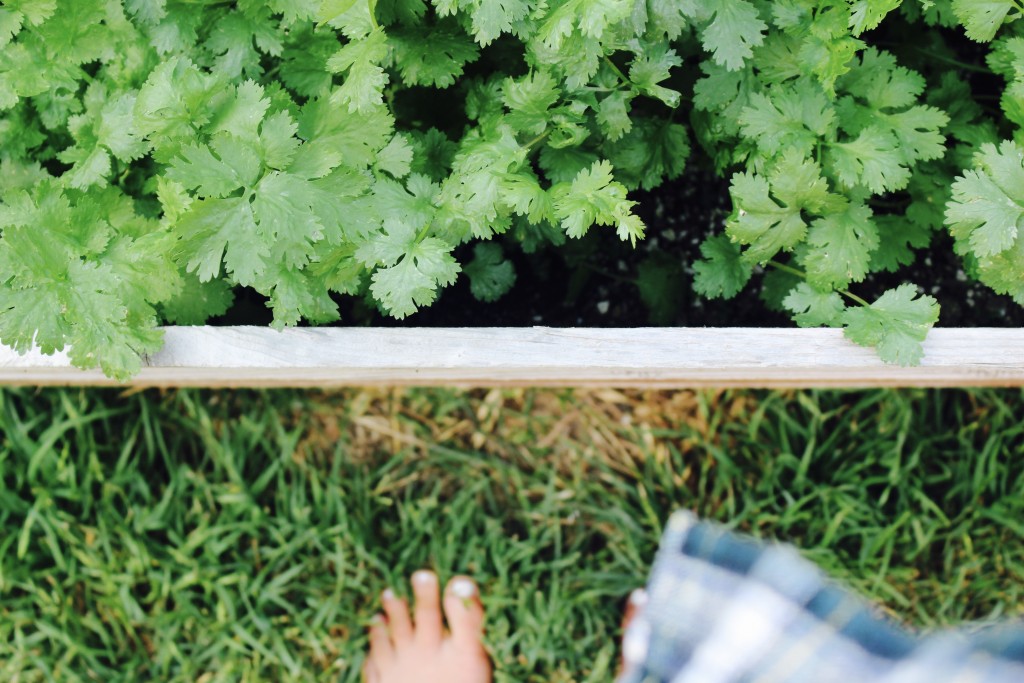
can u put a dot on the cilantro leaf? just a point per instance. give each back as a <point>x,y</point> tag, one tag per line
<point>490,274</point>
<point>1002,272</point>
<point>592,198</point>
<point>396,156</point>
<point>303,59</point>
<point>529,99</point>
<point>410,269</point>
<point>877,79</point>
<point>332,9</point>
<point>650,68</point>
<point>813,307</point>
<point>650,153</point>
<point>987,205</point>
<point>473,197</point>
<point>867,14</point>
<point>527,198</point>
<point>613,114</point>
<point>432,57</point>
<point>722,272</point>
<point>895,324</point>
<point>840,247</point>
<point>790,117</point>
<point>735,30</point>
<point>228,164</point>
<point>363,88</point>
<point>238,39</point>
<point>197,301</point>
<point>873,160</point>
<point>103,131</point>
<point>10,25</point>
<point>173,103</point>
<point>660,283</point>
<point>240,110</point>
<point>897,238</point>
<point>983,18</point>
<point>223,229</point>
<point>277,140</point>
<point>491,18</point>
<point>71,278</point>
<point>768,211</point>
<point>284,205</point>
<point>433,152</point>
<point>666,19</point>
<point>350,138</point>
<point>580,18</point>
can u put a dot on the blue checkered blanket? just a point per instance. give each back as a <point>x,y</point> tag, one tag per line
<point>725,609</point>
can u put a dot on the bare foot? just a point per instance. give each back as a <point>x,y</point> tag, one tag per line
<point>417,648</point>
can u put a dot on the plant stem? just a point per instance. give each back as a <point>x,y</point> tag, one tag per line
<point>537,139</point>
<point>802,275</point>
<point>373,13</point>
<point>422,234</point>
<point>618,71</point>
<point>954,62</point>
<point>853,297</point>
<point>788,269</point>
<point>604,273</point>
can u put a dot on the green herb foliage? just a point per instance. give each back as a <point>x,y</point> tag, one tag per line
<point>850,149</point>
<point>157,155</point>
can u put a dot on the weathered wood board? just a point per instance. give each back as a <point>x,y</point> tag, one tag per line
<point>620,357</point>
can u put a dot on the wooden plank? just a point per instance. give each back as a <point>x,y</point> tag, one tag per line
<point>633,357</point>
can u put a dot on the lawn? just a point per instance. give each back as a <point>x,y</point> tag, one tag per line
<point>243,536</point>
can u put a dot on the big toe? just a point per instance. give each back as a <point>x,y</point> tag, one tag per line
<point>464,612</point>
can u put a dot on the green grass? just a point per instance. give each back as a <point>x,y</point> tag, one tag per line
<point>243,536</point>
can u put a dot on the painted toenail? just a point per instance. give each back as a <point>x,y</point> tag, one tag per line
<point>424,577</point>
<point>388,594</point>
<point>463,588</point>
<point>638,598</point>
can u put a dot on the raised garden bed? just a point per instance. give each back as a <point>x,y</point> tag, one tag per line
<point>852,167</point>
<point>638,357</point>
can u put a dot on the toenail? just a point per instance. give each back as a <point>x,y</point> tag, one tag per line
<point>424,576</point>
<point>388,594</point>
<point>463,588</point>
<point>638,598</point>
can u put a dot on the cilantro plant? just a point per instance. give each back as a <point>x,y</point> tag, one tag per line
<point>848,159</point>
<point>157,155</point>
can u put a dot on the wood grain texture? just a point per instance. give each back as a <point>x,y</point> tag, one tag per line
<point>621,357</point>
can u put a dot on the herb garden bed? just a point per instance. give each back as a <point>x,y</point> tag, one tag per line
<point>607,164</point>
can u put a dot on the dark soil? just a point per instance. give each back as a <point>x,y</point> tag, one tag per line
<point>592,282</point>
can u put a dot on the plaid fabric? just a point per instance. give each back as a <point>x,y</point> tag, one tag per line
<point>724,609</point>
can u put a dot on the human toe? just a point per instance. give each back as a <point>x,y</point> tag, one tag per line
<point>463,610</point>
<point>399,621</point>
<point>427,613</point>
<point>381,648</point>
